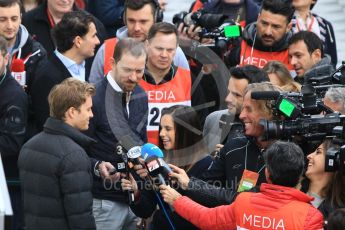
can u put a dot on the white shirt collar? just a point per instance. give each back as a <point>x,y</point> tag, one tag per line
<point>113,83</point>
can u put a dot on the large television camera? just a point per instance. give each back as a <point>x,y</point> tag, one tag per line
<point>335,156</point>
<point>218,27</point>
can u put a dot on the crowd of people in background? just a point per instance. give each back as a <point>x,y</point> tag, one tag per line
<point>80,79</point>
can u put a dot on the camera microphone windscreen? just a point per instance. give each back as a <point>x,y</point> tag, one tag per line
<point>149,150</point>
<point>265,95</point>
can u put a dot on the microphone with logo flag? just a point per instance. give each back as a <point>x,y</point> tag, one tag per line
<point>18,71</point>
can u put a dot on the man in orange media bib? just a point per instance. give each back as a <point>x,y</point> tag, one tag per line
<point>267,38</point>
<point>164,83</point>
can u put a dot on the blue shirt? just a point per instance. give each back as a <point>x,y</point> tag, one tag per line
<point>76,70</point>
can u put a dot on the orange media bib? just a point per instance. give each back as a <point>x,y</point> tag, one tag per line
<point>174,92</point>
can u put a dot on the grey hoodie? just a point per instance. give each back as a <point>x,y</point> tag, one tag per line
<point>97,73</point>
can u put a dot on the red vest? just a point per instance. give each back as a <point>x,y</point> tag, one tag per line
<point>109,47</point>
<point>173,92</point>
<point>251,56</point>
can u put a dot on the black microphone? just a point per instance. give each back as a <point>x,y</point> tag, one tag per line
<point>123,167</point>
<point>265,95</point>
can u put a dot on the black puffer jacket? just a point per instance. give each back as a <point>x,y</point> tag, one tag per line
<point>56,178</point>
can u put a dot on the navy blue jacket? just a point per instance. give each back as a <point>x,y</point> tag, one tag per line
<point>111,124</point>
<point>13,121</point>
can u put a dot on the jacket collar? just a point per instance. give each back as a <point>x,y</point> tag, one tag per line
<point>284,193</point>
<point>58,127</point>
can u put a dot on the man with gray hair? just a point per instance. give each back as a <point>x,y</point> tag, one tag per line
<point>120,116</point>
<point>335,99</point>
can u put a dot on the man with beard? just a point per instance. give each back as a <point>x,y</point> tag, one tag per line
<point>307,57</point>
<point>120,117</point>
<point>266,39</point>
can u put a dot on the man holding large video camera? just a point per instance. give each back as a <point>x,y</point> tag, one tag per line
<point>240,164</point>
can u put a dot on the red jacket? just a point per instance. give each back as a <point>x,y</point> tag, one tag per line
<point>274,207</point>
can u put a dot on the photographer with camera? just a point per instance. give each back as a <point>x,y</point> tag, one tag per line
<point>278,205</point>
<point>326,186</point>
<point>307,57</point>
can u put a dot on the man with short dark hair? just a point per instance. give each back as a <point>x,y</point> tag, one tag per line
<point>20,45</point>
<point>120,116</point>
<point>55,171</point>
<point>139,16</point>
<point>240,78</point>
<point>307,57</point>
<point>76,39</point>
<point>266,39</point>
<point>278,205</point>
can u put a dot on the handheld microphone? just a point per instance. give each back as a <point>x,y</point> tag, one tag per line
<point>123,167</point>
<point>154,163</point>
<point>18,71</point>
<point>133,155</point>
<point>148,150</point>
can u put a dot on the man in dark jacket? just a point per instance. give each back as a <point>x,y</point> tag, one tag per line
<point>266,39</point>
<point>76,41</point>
<point>120,116</point>
<point>13,121</point>
<point>55,171</point>
<point>307,57</point>
<point>239,159</point>
<point>20,45</point>
<point>42,19</point>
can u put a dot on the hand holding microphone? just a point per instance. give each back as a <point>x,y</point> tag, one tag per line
<point>180,175</point>
<point>107,170</point>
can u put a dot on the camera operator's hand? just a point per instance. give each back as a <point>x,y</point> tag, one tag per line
<point>186,33</point>
<point>180,175</point>
<point>107,170</point>
<point>141,171</point>
<point>169,194</point>
<point>129,185</point>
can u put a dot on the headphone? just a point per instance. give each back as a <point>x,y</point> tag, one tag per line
<point>157,16</point>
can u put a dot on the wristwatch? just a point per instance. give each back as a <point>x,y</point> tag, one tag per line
<point>96,169</point>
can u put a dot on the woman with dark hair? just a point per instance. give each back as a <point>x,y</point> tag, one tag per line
<point>181,139</point>
<point>327,188</point>
<point>182,142</point>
